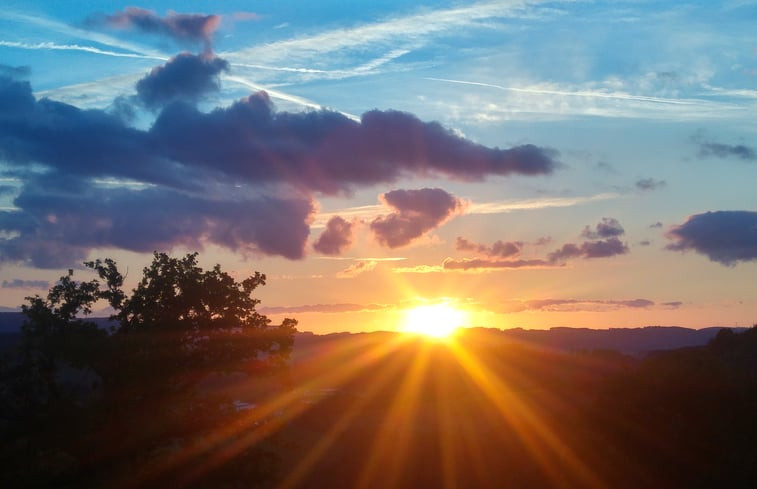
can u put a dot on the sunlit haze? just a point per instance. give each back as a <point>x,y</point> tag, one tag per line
<point>435,320</point>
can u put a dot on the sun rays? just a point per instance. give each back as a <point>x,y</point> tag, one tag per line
<point>408,382</point>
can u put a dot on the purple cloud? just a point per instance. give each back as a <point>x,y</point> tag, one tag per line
<point>326,151</point>
<point>416,212</point>
<point>185,77</point>
<point>608,227</point>
<point>720,150</point>
<point>55,230</point>
<point>180,27</point>
<point>501,249</point>
<point>186,162</point>
<point>336,238</point>
<point>590,249</point>
<point>726,237</point>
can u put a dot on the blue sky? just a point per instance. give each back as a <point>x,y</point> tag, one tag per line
<point>641,115</point>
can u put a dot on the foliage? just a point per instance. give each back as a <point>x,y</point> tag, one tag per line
<point>75,388</point>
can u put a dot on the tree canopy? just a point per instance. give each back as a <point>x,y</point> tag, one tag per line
<point>131,386</point>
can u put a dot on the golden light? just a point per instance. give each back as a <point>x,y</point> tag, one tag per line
<point>434,320</point>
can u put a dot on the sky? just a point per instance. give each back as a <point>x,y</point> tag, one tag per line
<point>531,163</point>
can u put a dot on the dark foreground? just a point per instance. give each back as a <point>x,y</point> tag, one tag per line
<point>383,410</point>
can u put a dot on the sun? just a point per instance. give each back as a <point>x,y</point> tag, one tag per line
<point>434,320</point>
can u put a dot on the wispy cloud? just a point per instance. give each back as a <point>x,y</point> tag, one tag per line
<point>370,212</point>
<point>552,100</point>
<point>51,46</point>
<point>413,29</point>
<point>63,28</point>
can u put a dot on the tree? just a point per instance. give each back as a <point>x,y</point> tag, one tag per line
<point>180,325</point>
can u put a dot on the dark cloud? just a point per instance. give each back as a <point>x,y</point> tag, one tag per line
<point>186,77</point>
<point>707,149</point>
<point>483,264</point>
<point>416,212</point>
<point>502,249</point>
<point>657,224</point>
<point>645,242</point>
<point>336,238</point>
<point>188,165</point>
<point>590,249</point>
<point>180,27</point>
<point>318,151</point>
<point>608,227</point>
<point>58,229</point>
<point>649,184</point>
<point>328,152</point>
<point>673,304</point>
<point>726,237</point>
<point>18,283</point>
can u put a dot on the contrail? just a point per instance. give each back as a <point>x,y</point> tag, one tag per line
<point>578,93</point>
<point>76,47</point>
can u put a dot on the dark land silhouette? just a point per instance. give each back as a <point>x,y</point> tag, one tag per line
<point>188,386</point>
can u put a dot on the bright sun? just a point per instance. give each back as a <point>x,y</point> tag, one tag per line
<point>436,320</point>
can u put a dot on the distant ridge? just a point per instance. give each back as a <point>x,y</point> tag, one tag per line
<point>633,341</point>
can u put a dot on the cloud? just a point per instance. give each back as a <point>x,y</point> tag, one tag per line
<point>336,238</point>
<point>608,227</point>
<point>357,269</point>
<point>707,149</point>
<point>649,184</point>
<point>328,152</point>
<point>321,308</point>
<point>502,249</point>
<point>589,249</point>
<point>654,225</point>
<point>14,72</point>
<point>419,269</point>
<point>58,229</point>
<point>185,77</point>
<point>487,264</point>
<point>179,27</point>
<point>726,237</point>
<point>214,177</point>
<point>18,283</point>
<point>572,305</point>
<point>416,212</point>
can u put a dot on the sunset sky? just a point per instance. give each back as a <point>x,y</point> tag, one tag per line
<point>534,164</point>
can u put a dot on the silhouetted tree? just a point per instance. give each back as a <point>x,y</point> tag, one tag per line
<point>101,401</point>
